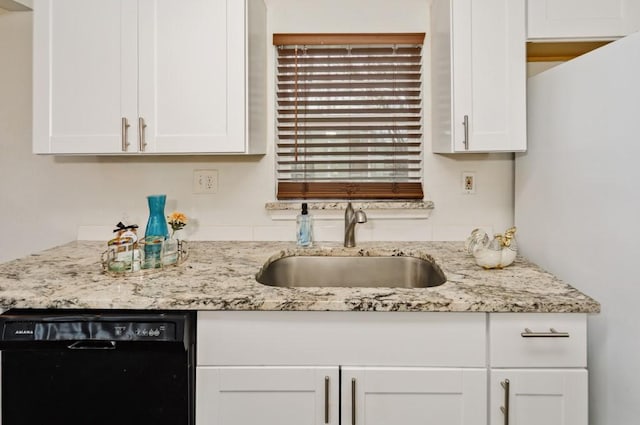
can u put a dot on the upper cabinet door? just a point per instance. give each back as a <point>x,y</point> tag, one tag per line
<point>576,19</point>
<point>479,76</point>
<point>149,76</point>
<point>85,75</point>
<point>192,75</point>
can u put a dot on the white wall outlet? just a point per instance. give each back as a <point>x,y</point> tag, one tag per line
<point>205,181</point>
<point>468,182</point>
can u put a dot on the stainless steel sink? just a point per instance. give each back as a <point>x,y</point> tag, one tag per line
<point>361,272</point>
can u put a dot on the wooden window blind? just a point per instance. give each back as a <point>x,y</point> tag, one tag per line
<point>349,116</point>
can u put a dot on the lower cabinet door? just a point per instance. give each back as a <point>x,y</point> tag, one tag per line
<point>267,395</point>
<point>539,396</point>
<point>413,396</point>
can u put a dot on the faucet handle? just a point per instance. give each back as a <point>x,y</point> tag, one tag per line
<point>352,217</point>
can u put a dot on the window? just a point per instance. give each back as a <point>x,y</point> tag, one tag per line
<point>349,116</point>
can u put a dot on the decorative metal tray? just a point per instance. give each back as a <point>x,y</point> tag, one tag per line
<point>145,256</point>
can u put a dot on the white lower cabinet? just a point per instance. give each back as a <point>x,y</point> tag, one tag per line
<point>368,368</point>
<point>413,396</point>
<point>538,369</point>
<point>539,396</point>
<point>295,395</point>
<point>267,395</point>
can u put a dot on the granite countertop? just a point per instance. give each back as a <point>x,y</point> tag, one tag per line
<point>221,276</point>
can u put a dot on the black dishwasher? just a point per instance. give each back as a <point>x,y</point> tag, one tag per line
<point>88,367</point>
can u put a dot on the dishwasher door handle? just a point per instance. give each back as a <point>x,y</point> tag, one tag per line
<point>92,345</point>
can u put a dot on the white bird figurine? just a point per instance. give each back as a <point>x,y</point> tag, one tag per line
<point>496,253</point>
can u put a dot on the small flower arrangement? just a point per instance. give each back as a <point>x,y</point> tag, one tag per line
<point>177,221</point>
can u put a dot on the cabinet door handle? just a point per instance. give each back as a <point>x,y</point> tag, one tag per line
<point>353,401</point>
<point>125,134</point>
<point>528,333</point>
<point>326,399</point>
<point>141,134</point>
<point>465,123</point>
<point>505,409</point>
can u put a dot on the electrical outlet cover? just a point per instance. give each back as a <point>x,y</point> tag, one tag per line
<point>469,182</point>
<point>205,181</point>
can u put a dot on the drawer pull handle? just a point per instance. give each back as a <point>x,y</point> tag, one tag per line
<point>326,399</point>
<point>505,409</point>
<point>528,333</point>
<point>353,401</point>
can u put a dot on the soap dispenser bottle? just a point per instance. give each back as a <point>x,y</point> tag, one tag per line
<point>304,225</point>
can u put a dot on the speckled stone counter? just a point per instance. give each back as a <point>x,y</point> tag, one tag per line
<point>221,276</point>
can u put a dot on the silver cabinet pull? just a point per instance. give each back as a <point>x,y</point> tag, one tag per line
<point>353,401</point>
<point>141,134</point>
<point>326,399</point>
<point>551,334</point>
<point>505,409</point>
<point>125,134</point>
<point>465,123</point>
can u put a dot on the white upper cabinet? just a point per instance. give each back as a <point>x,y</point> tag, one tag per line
<point>582,19</point>
<point>192,75</point>
<point>146,76</point>
<point>85,74</point>
<point>479,75</point>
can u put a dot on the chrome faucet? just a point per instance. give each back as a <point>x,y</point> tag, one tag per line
<point>352,217</point>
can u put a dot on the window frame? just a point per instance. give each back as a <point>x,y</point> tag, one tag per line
<point>395,188</point>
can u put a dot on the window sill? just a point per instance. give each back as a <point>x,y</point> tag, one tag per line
<point>334,210</point>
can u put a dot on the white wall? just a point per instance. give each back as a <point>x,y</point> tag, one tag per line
<point>535,68</point>
<point>578,208</point>
<point>57,197</point>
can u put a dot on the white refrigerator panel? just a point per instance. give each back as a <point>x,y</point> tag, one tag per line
<point>577,207</point>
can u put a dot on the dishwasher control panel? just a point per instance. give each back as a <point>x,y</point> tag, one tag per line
<point>88,331</point>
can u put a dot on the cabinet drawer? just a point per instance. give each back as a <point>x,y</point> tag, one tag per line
<point>286,338</point>
<point>537,340</point>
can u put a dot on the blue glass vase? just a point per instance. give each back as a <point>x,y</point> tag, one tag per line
<point>156,232</point>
